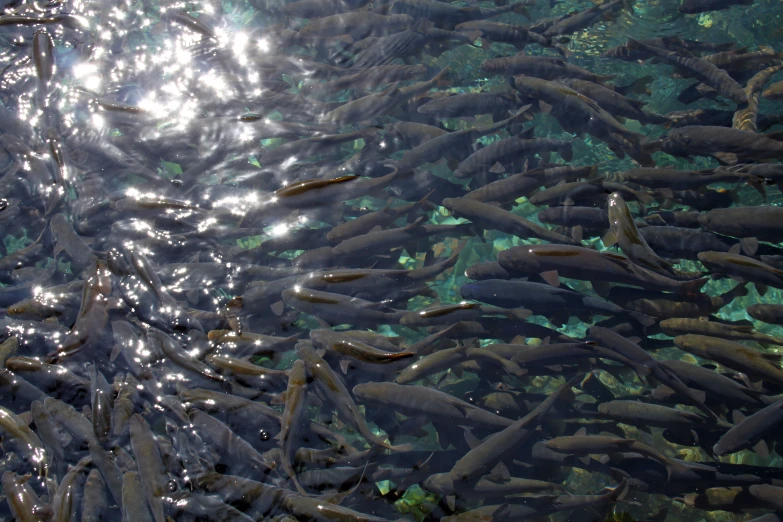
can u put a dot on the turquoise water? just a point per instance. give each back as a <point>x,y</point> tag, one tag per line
<point>348,260</point>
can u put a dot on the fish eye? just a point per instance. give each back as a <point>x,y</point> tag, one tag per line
<point>3,204</point>
<point>263,435</point>
<point>171,485</point>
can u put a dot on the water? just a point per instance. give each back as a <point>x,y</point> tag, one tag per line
<point>249,272</point>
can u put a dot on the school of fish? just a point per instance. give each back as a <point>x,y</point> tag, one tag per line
<point>304,260</point>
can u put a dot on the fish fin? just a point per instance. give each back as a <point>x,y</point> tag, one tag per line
<point>193,296</point>
<point>115,352</point>
<point>744,328</point>
<point>761,288</point>
<point>601,288</point>
<point>646,436</point>
<point>344,366</point>
<point>569,202</point>
<point>522,10</point>
<point>452,163</point>
<point>643,319</point>
<point>471,439</point>
<point>577,233</point>
<point>761,449</point>
<point>451,502</point>
<point>497,168</point>
<point>477,232</point>
<point>520,313</point>
<point>581,432</point>
<point>610,238</point>
<point>544,106</point>
<point>584,460</point>
<point>735,249</point>
<point>458,371</point>
<point>727,158</point>
<point>519,339</point>
<point>635,340</point>
<point>551,277</point>
<point>737,416</point>
<point>277,308</point>
<point>485,44</point>
<point>501,471</point>
<point>750,245</point>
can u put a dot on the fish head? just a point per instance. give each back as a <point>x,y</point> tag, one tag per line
<point>440,483</point>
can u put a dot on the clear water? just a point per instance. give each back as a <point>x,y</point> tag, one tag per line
<point>167,289</point>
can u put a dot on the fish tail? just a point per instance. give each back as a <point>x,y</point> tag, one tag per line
<point>692,287</point>
<point>566,152</point>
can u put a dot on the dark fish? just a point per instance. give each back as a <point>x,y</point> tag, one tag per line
<point>557,304</point>
<point>472,104</point>
<point>674,327</point>
<point>515,35</point>
<point>748,432</point>
<point>422,400</point>
<point>674,242</point>
<point>623,232</point>
<point>731,354</point>
<point>715,384</point>
<point>726,144</point>
<point>703,6</point>
<point>613,102</point>
<point>768,313</point>
<point>490,217</point>
<point>584,19</point>
<point>447,15</point>
<point>510,151</point>
<point>552,261</point>
<point>762,223</point>
<point>543,67</point>
<point>700,69</point>
<point>743,268</point>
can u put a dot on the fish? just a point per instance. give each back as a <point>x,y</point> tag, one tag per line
<point>614,102</point>
<point>704,6</point>
<point>152,472</point>
<point>731,354</point>
<point>768,313</point>
<point>623,232</point>
<point>585,445</point>
<point>748,431</point>
<point>24,503</point>
<point>727,144</point>
<point>491,32</point>
<point>133,501</point>
<point>743,223</point>
<point>742,268</point>
<point>552,261</point>
<point>542,67</point>
<point>487,216</point>
<point>542,299</point>
<point>483,457</point>
<point>510,150</point>
<point>296,398</point>
<point>703,70</point>
<point>338,394</point>
<point>584,19</point>
<point>421,400</point>
<point>579,114</point>
<point>675,327</point>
